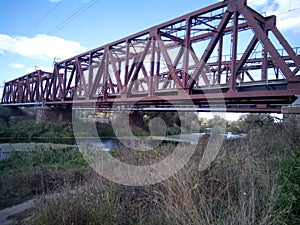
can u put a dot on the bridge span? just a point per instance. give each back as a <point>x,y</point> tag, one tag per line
<point>223,54</point>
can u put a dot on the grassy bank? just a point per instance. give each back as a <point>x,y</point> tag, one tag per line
<point>24,175</point>
<point>253,180</point>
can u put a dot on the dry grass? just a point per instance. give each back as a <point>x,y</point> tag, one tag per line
<point>242,186</point>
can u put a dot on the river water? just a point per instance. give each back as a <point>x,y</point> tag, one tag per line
<point>106,143</point>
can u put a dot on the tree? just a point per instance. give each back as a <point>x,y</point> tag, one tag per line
<point>253,121</point>
<point>217,121</point>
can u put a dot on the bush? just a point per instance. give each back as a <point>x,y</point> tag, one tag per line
<point>29,131</point>
<point>26,174</point>
<point>286,203</point>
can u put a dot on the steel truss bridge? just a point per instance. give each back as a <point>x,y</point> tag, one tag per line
<point>225,53</point>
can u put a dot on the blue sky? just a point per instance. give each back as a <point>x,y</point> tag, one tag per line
<point>35,32</point>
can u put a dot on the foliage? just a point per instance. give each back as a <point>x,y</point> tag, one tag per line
<point>234,127</point>
<point>25,174</point>
<point>217,121</point>
<point>105,130</point>
<point>286,203</point>
<point>173,121</point>
<point>254,121</point>
<point>7,112</point>
<point>29,131</point>
<point>4,130</point>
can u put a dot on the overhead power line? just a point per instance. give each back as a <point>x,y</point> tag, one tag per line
<point>42,18</point>
<point>72,17</point>
<point>56,28</point>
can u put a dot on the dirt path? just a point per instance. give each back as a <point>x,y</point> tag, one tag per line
<point>5,213</point>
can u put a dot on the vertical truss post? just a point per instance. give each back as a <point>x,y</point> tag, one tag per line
<point>264,75</point>
<point>37,86</point>
<point>26,89</point>
<point>220,52</point>
<point>234,51</point>
<point>20,91</point>
<point>65,78</point>
<point>157,67</point>
<point>264,72</point>
<point>187,44</point>
<point>91,75</point>
<point>14,88</point>
<point>152,67</point>
<point>106,74</point>
<point>66,89</point>
<point>54,85</point>
<point>126,80</point>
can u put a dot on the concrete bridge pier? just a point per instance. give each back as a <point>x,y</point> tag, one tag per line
<point>291,115</point>
<point>60,114</point>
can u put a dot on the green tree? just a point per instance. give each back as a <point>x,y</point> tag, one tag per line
<point>253,121</point>
<point>217,121</point>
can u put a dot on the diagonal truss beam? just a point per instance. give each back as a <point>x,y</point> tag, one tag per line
<point>138,66</point>
<point>262,36</point>
<point>168,61</point>
<point>214,40</point>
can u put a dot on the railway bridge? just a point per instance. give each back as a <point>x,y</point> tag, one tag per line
<point>225,54</point>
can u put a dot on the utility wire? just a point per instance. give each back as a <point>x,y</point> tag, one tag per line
<point>42,18</point>
<point>290,9</point>
<point>59,26</point>
<point>72,17</point>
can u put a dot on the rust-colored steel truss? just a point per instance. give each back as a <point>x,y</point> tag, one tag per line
<point>31,88</point>
<point>225,53</point>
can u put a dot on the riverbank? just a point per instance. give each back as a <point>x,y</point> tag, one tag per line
<point>252,180</point>
<point>249,182</point>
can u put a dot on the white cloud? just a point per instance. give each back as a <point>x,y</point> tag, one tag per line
<point>42,46</point>
<point>16,65</point>
<point>5,43</point>
<point>55,0</point>
<point>287,12</point>
<point>257,2</point>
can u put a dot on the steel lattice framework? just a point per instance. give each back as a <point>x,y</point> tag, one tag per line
<point>224,52</point>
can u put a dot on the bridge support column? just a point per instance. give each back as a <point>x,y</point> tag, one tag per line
<point>291,116</point>
<point>60,114</point>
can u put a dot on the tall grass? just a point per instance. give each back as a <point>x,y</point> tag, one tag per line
<point>254,180</point>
